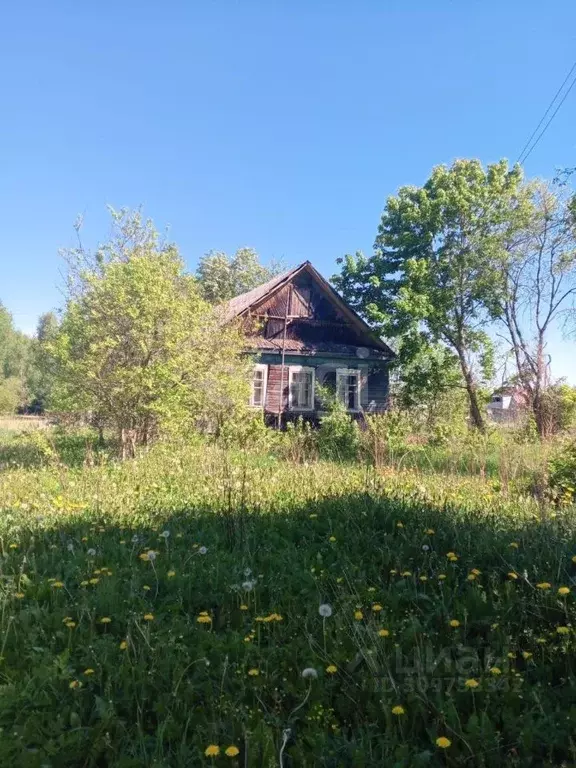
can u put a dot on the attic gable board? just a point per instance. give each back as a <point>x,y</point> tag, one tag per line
<point>306,299</point>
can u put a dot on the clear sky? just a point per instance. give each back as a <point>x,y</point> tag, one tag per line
<point>280,125</point>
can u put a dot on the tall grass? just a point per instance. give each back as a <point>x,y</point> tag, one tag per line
<point>158,609</point>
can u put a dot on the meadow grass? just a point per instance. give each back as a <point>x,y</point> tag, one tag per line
<point>199,606</point>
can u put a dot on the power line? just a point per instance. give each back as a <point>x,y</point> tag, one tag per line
<point>529,147</point>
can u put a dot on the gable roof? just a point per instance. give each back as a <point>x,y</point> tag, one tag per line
<point>246,301</point>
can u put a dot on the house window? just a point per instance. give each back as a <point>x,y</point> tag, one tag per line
<point>258,396</point>
<point>301,388</point>
<point>348,388</point>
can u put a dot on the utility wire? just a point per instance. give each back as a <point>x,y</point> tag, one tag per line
<point>528,147</point>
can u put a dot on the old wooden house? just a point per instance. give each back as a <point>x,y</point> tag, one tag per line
<point>304,335</point>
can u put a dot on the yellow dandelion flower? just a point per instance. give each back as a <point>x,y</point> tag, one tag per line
<point>148,617</point>
<point>512,575</point>
<point>471,577</point>
<point>471,683</point>
<point>146,588</point>
<point>231,751</point>
<point>105,620</point>
<point>383,633</point>
<point>398,710</point>
<point>97,572</point>
<point>574,558</point>
<point>144,556</point>
<point>511,655</point>
<point>358,615</point>
<point>332,539</point>
<point>94,581</point>
<point>541,640</point>
<point>84,539</point>
<point>84,583</point>
<point>331,669</point>
<point>393,572</point>
<point>453,559</point>
<point>451,554</point>
<point>399,525</point>
<point>562,630</point>
<point>441,576</point>
<point>74,684</point>
<point>430,531</point>
<point>443,742</point>
<point>564,591</point>
<point>123,645</point>
<point>454,623</point>
<point>19,595</point>
<point>243,607</point>
<point>13,546</point>
<point>254,672</point>
<point>204,619</point>
<point>313,516</point>
<point>376,607</point>
<point>57,584</point>
<point>423,578</point>
<point>526,655</point>
<point>495,671</point>
<point>212,750</point>
<point>514,545</point>
<point>171,574</point>
<point>475,571</point>
<point>89,671</point>
<point>70,624</point>
<point>543,585</point>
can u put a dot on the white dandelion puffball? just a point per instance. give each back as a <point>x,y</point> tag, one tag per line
<point>91,552</point>
<point>309,673</point>
<point>325,610</point>
<point>165,534</point>
<point>247,572</point>
<point>203,550</point>
<point>248,586</point>
<point>425,547</point>
<point>151,554</point>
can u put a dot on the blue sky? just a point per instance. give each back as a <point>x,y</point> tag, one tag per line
<point>280,125</point>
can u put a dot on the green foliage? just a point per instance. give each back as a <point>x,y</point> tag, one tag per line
<point>338,436</point>
<point>562,474</point>
<point>10,394</point>
<point>221,277</point>
<point>430,274</point>
<point>41,365</point>
<point>138,348</point>
<point>14,353</point>
<point>559,407</point>
<point>155,685</point>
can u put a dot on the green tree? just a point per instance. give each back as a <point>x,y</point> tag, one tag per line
<point>221,277</point>
<point>14,358</point>
<point>138,348</point>
<point>40,369</point>
<point>428,279</point>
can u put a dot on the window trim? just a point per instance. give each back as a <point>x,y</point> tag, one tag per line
<point>301,369</point>
<point>358,374</point>
<point>264,368</point>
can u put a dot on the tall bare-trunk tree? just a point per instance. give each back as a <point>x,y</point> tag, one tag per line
<point>537,273</point>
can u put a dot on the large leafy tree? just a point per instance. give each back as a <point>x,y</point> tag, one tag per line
<point>138,348</point>
<point>221,277</point>
<point>428,279</point>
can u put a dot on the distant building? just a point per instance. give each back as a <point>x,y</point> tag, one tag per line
<point>508,404</point>
<point>303,334</point>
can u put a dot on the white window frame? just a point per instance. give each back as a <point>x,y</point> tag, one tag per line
<point>264,369</point>
<point>301,369</point>
<point>341,372</point>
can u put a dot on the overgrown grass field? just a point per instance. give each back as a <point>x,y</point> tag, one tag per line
<point>199,606</point>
